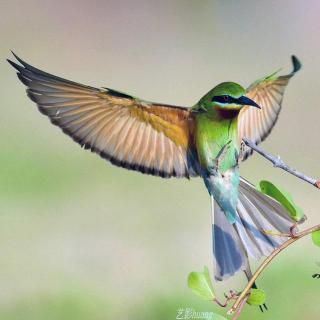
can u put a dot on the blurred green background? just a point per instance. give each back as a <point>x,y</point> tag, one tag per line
<point>81,239</point>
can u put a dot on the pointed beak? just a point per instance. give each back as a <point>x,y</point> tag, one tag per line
<point>248,102</point>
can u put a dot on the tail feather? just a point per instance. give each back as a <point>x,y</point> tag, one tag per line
<point>234,243</point>
<point>227,247</point>
<point>252,222</point>
<point>262,200</point>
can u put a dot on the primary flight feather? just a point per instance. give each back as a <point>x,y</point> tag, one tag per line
<point>171,141</point>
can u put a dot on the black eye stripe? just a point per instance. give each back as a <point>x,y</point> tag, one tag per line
<point>223,99</point>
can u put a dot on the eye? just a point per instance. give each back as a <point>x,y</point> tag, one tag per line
<point>222,99</point>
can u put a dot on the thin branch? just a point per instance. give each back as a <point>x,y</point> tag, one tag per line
<point>278,163</point>
<point>241,306</point>
<point>223,304</point>
<point>237,305</point>
<point>232,296</point>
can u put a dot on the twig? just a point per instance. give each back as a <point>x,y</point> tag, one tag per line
<point>278,163</point>
<point>239,310</point>
<point>238,304</point>
<point>232,296</point>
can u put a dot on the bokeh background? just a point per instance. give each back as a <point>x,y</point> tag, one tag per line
<point>81,239</point>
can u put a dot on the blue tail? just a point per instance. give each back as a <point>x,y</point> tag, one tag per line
<point>234,243</point>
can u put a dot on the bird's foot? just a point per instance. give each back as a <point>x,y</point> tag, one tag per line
<point>222,153</point>
<point>293,231</point>
<point>214,171</point>
<point>316,276</point>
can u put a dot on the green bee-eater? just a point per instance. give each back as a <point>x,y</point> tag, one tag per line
<point>170,141</point>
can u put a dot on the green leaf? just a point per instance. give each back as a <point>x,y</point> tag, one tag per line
<point>257,297</point>
<point>268,188</point>
<point>200,283</point>
<point>316,237</point>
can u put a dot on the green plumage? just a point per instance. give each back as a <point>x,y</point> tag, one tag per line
<point>218,144</point>
<point>217,141</point>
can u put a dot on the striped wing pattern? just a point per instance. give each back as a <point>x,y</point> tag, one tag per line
<point>148,137</point>
<point>256,124</point>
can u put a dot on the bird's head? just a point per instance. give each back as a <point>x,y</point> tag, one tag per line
<point>226,96</point>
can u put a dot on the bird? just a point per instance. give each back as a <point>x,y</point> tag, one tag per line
<point>204,140</point>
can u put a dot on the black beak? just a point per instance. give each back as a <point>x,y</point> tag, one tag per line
<point>248,102</point>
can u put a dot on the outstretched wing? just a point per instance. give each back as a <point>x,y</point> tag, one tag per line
<point>256,124</point>
<point>138,135</point>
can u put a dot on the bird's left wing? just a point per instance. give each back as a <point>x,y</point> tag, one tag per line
<point>148,137</point>
<point>256,124</point>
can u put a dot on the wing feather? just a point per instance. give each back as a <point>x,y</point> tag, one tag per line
<point>268,92</point>
<point>148,137</point>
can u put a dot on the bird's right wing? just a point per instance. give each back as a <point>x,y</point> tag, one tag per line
<point>148,137</point>
<point>256,124</point>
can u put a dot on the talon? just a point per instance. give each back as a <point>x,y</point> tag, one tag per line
<point>222,153</point>
<point>293,231</point>
<point>213,170</point>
